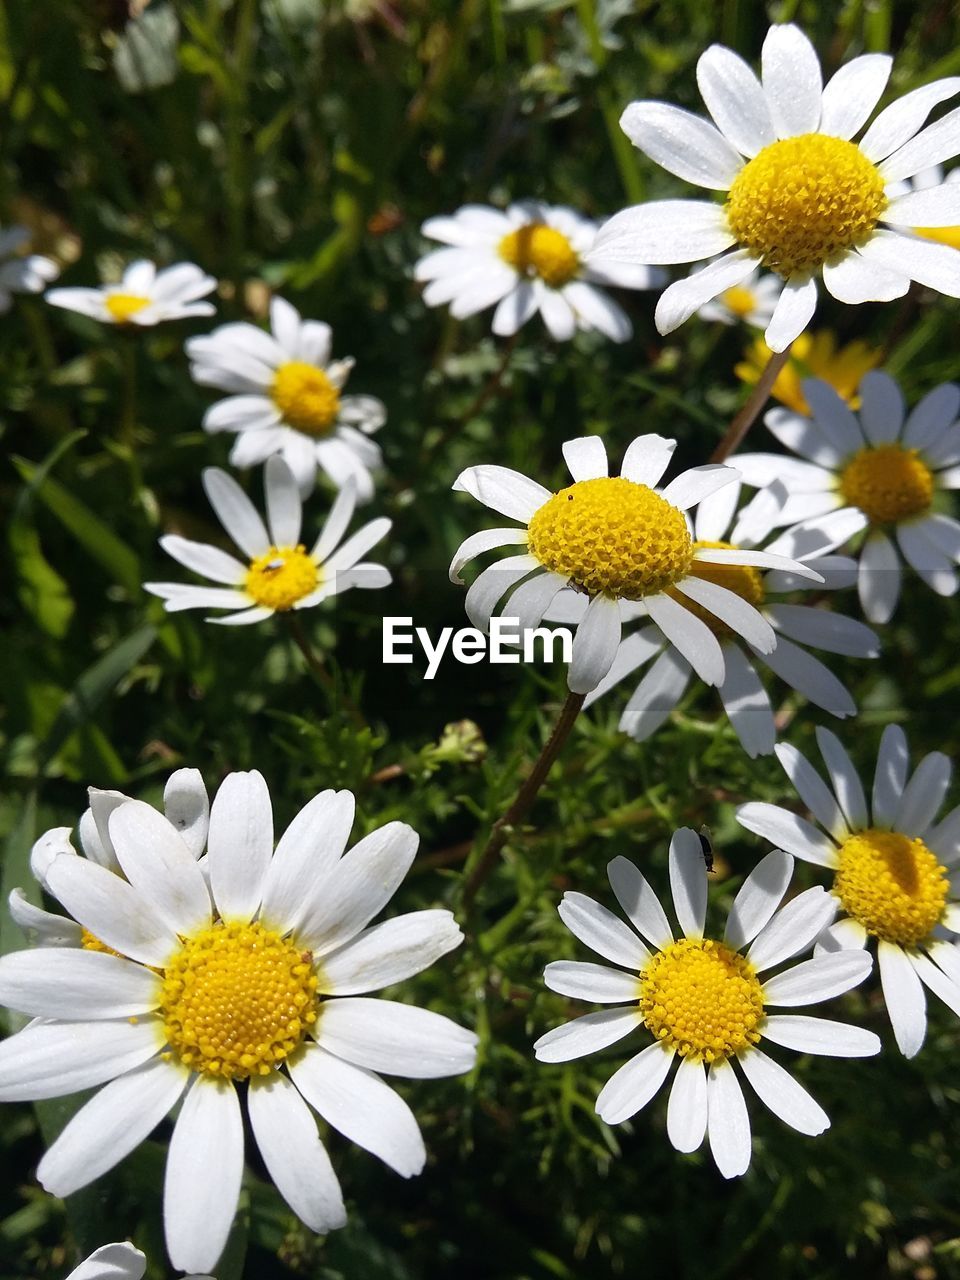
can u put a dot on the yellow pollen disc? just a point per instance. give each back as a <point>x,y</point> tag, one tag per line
<point>536,250</point>
<point>612,537</point>
<point>124,305</point>
<point>281,577</point>
<point>892,884</point>
<point>90,942</point>
<point>942,235</point>
<point>888,483</point>
<point>702,999</point>
<point>306,397</point>
<point>237,1000</point>
<point>802,200</point>
<point>743,580</point>
<point>739,300</point>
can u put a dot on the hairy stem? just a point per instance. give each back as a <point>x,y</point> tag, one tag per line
<point>751,410</point>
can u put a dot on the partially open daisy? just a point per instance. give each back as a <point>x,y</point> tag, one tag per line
<point>802,199</point>
<point>894,867</point>
<point>624,545</point>
<point>706,1002</point>
<point>797,626</point>
<point>527,259</point>
<point>143,297</point>
<point>751,302</point>
<point>813,355</point>
<point>287,398</point>
<point>243,974</point>
<point>278,573</point>
<point>21,272</point>
<point>879,470</point>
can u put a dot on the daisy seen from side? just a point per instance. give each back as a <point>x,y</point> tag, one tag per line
<point>143,297</point>
<point>120,1261</point>
<point>22,272</point>
<point>708,1003</point>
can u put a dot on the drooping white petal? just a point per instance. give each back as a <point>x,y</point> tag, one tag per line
<point>688,882</point>
<point>739,614</point>
<point>937,266</point>
<point>878,582</point>
<point>639,902</point>
<point>823,629</point>
<point>789,831</point>
<point>397,1039</point>
<point>746,703</point>
<point>589,1034</point>
<point>809,676</point>
<point>631,1087</point>
<point>903,994</point>
<point>682,143</point>
<point>687,1107</point>
<point>602,931</point>
<point>595,644</point>
<point>693,638</point>
<point>853,280</point>
<point>782,1094</point>
<point>680,300</point>
<point>793,312</point>
<point>728,1124</point>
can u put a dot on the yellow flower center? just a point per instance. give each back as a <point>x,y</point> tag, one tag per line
<point>803,200</point>
<point>892,884</point>
<point>306,397</point>
<point>702,999</point>
<point>124,305</point>
<point>536,250</point>
<point>90,942</point>
<point>942,235</point>
<point>237,999</point>
<point>744,580</point>
<point>739,300</point>
<point>612,537</point>
<point>888,483</point>
<point>281,577</point>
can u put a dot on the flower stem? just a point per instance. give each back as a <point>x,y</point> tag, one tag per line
<point>486,392</point>
<point>336,697</point>
<point>751,410</point>
<point>128,415</point>
<point>525,797</point>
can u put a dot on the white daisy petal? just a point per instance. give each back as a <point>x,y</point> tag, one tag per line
<point>812,790</point>
<point>782,1094</point>
<point>187,808</point>
<point>158,864</point>
<point>586,457</point>
<point>792,82</point>
<point>789,831</point>
<point>631,1087</point>
<point>822,629</point>
<point>663,232</point>
<point>682,143</point>
<point>389,952</point>
<point>820,1035</point>
<point>734,97</point>
<point>937,266</point>
<point>732,609</point>
<point>923,794</point>
<point>688,882</point>
<point>284,510</point>
<point>810,677</point>
<point>397,1039</point>
<point>492,585</point>
<point>308,851</point>
<point>933,207</point>
<point>926,558</point>
<point>903,993</point>
<point>485,540</point>
<point>851,94</point>
<point>533,598</point>
<point>634,651</point>
<point>656,695</point>
<point>890,777</point>
<point>589,1034</point>
<point>602,931</point>
<point>944,838</point>
<point>938,982</point>
<point>52,1059</point>
<point>240,844</point>
<point>934,144</point>
<point>793,312</point>
<point>793,929</point>
<point>680,300</point>
<point>728,1124</point>
<point>646,459</point>
<point>503,490</point>
<point>114,1262</point>
<point>746,703</point>
<point>931,415</point>
<point>111,910</point>
<point>882,408</point>
<point>687,1107</point>
<point>846,781</point>
<point>236,512</point>
<point>878,582</point>
<point>213,563</point>
<point>818,979</point>
<point>759,896</point>
<point>853,280</point>
<point>639,902</point>
<point>900,121</point>
<point>513,311</point>
<point>595,643</point>
<point>43,928</point>
<point>56,983</point>
<point>583,980</point>
<point>693,638</point>
<point>594,309</point>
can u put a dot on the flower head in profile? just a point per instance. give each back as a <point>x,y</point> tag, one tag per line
<point>894,867</point>
<point>708,1003</point>
<point>624,545</point>
<point>143,297</point>
<point>287,398</point>
<point>529,258</point>
<point>878,471</point>
<point>797,627</point>
<point>278,573</point>
<point>21,272</point>
<point>752,302</point>
<point>802,198</point>
<point>813,355</point>
<point>240,975</point>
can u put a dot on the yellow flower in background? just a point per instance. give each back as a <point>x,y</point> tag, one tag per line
<point>813,355</point>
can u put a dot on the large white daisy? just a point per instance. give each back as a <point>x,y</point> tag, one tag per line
<point>288,399</point>
<point>279,573</point>
<point>742,693</point>
<point>623,544</point>
<point>706,1002</point>
<point>895,867</point>
<point>248,967</point>
<point>879,470</point>
<point>144,296</point>
<point>528,258</point>
<point>21,272</point>
<point>802,198</point>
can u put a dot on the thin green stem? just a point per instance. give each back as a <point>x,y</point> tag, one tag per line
<point>751,410</point>
<point>128,414</point>
<point>337,697</point>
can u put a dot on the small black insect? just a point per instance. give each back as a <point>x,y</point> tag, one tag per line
<point>706,846</point>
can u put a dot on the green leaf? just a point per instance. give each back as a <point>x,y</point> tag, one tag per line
<point>42,593</point>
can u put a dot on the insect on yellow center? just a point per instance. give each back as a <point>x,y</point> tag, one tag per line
<point>702,999</point>
<point>893,884</point>
<point>743,580</point>
<point>536,250</point>
<point>888,483</point>
<point>281,577</point>
<point>612,537</point>
<point>803,200</point>
<point>739,300</point>
<point>306,397</point>
<point>124,305</point>
<point>237,1000</point>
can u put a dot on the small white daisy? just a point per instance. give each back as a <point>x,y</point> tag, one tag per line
<point>20,272</point>
<point>527,259</point>
<point>743,696</point>
<point>751,302</point>
<point>287,399</point>
<point>279,573</point>
<point>620,542</point>
<point>706,1002</point>
<point>121,1261</point>
<point>878,470</point>
<point>144,296</point>
<point>247,967</point>
<point>802,199</point>
<point>895,867</point>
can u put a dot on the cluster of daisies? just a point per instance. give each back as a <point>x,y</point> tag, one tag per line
<point>198,967</point>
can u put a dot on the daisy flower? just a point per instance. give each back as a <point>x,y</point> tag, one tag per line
<point>245,973</point>
<point>121,1261</point>
<point>751,302</point>
<point>144,296</point>
<point>530,258</point>
<point>813,355</point>
<point>880,471</point>
<point>19,272</point>
<point>278,573</point>
<point>923,181</point>
<point>797,626</point>
<point>802,199</point>
<point>894,867</point>
<point>623,544</point>
<point>287,398</point>
<point>706,1002</point>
